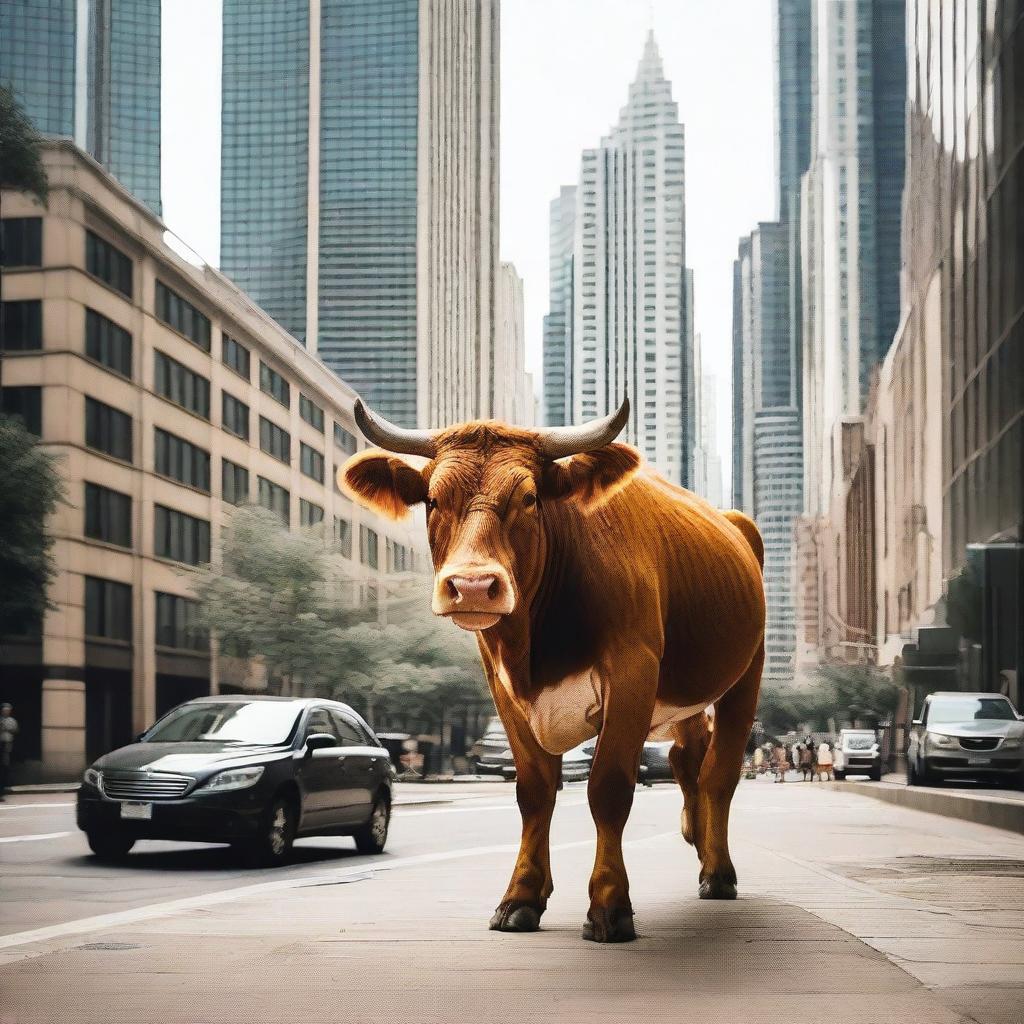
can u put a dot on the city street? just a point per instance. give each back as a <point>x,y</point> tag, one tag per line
<point>849,910</point>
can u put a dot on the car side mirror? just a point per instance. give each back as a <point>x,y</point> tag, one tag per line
<point>318,741</point>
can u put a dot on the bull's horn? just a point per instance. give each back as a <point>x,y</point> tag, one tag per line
<point>559,442</point>
<point>400,440</point>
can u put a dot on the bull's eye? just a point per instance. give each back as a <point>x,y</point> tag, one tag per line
<point>529,499</point>
<point>431,505</point>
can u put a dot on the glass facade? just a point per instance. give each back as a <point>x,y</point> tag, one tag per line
<point>120,117</point>
<point>265,155</point>
<point>368,118</point>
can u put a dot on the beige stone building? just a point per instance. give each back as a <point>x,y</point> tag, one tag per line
<point>170,398</point>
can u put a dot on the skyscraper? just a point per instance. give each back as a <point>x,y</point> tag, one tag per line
<point>851,219</point>
<point>90,70</point>
<point>359,190</point>
<point>558,321</point>
<point>770,465</point>
<point>513,391</point>
<point>632,295</point>
<point>707,463</point>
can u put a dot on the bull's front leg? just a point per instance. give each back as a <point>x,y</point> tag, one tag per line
<point>629,696</point>
<point>537,776</point>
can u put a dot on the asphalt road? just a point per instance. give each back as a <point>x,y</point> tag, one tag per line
<point>850,910</point>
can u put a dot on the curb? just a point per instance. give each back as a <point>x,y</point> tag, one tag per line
<point>1004,814</point>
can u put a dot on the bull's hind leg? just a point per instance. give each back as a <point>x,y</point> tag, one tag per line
<point>719,775</point>
<point>686,757</point>
<point>537,777</point>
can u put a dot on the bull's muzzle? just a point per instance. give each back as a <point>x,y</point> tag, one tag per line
<point>473,597</point>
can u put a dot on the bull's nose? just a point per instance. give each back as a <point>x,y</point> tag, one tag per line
<point>481,590</point>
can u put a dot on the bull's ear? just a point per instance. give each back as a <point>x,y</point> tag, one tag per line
<point>382,482</point>
<point>591,478</point>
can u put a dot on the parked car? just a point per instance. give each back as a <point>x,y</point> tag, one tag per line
<point>489,751</point>
<point>575,763</point>
<point>857,753</point>
<point>654,763</point>
<point>972,734</point>
<point>252,772</point>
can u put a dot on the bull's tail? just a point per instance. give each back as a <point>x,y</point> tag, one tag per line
<point>746,526</point>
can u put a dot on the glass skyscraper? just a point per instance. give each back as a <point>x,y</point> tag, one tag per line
<point>359,190</point>
<point>90,70</point>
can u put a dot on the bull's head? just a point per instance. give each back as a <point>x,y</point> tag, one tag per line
<point>487,488</point>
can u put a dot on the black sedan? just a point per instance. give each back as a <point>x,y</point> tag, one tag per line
<point>253,772</point>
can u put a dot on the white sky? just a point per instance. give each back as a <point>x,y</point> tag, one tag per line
<point>566,68</point>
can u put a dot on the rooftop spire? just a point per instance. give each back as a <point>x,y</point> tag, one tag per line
<point>650,64</point>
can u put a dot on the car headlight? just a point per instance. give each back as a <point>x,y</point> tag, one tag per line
<point>93,778</point>
<point>1011,742</point>
<point>234,778</point>
<point>939,739</point>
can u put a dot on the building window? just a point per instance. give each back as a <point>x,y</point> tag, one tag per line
<point>235,356</point>
<point>275,441</point>
<point>276,498</point>
<point>368,546</point>
<point>108,609</point>
<point>234,482</point>
<point>310,514</point>
<point>21,241</point>
<point>178,625</point>
<point>311,462</point>
<point>273,384</point>
<point>180,385</point>
<point>311,412</point>
<point>108,430</point>
<point>108,515</point>
<point>108,343</point>
<point>344,439</point>
<point>182,461</point>
<point>108,263</point>
<point>181,537</point>
<point>343,536</point>
<point>182,316</point>
<point>25,404</point>
<point>21,326</point>
<point>235,416</point>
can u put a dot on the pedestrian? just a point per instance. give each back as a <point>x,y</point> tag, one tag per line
<point>781,763</point>
<point>807,758</point>
<point>758,760</point>
<point>8,730</point>
<point>824,765</point>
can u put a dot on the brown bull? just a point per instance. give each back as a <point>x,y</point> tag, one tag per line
<point>607,602</point>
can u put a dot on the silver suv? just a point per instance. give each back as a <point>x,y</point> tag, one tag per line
<point>966,734</point>
<point>857,753</point>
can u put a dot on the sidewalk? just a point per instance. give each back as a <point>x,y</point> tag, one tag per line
<point>996,808</point>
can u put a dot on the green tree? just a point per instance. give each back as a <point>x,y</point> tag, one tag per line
<point>21,165</point>
<point>30,491</point>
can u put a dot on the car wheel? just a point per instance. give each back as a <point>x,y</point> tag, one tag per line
<point>109,845</point>
<point>272,845</point>
<point>373,836</point>
<point>875,775</point>
<point>840,774</point>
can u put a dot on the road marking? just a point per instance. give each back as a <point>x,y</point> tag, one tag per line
<point>474,810</point>
<point>126,917</point>
<point>32,807</point>
<point>30,839</point>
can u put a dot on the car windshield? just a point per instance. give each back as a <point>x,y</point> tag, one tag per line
<point>970,709</point>
<point>258,722</point>
<point>864,742</point>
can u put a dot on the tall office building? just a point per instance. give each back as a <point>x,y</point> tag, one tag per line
<point>513,392</point>
<point>632,295</point>
<point>359,172</point>
<point>707,463</point>
<point>558,321</point>
<point>90,70</point>
<point>770,464</point>
<point>851,198</point>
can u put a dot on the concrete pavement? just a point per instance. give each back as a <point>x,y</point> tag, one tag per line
<point>850,910</point>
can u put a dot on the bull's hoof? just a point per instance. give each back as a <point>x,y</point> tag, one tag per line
<point>515,917</point>
<point>609,925</point>
<point>715,887</point>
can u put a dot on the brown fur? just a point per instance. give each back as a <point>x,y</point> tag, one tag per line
<point>615,568</point>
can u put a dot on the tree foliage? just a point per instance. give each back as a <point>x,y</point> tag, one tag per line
<point>21,165</point>
<point>841,693</point>
<point>30,491</point>
<point>283,598</point>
